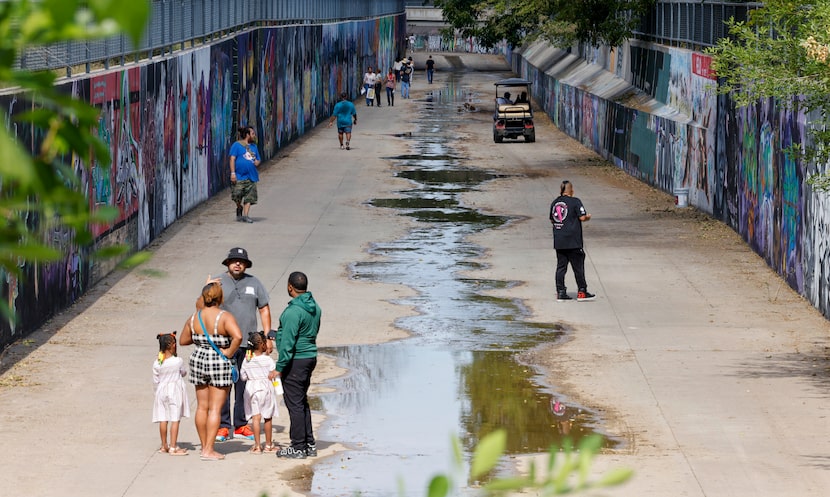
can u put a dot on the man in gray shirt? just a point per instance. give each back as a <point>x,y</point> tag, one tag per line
<point>244,297</point>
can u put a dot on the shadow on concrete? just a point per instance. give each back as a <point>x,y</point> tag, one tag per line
<point>813,367</point>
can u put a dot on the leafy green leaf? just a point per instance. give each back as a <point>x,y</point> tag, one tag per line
<point>32,252</point>
<point>516,483</point>
<point>457,451</point>
<point>488,452</point>
<point>39,117</point>
<point>587,449</point>
<point>37,27</point>
<point>439,486</point>
<point>61,11</point>
<point>43,81</point>
<point>136,260</point>
<point>616,476</point>
<point>104,214</point>
<point>15,162</point>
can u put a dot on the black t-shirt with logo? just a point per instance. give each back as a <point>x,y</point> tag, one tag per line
<point>407,70</point>
<point>565,212</point>
<point>430,64</point>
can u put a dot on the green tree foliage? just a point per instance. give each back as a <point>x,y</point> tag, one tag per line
<point>40,192</point>
<point>567,471</point>
<point>783,52</point>
<point>560,22</point>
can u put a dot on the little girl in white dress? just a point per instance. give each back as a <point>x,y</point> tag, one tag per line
<point>260,398</point>
<point>171,402</point>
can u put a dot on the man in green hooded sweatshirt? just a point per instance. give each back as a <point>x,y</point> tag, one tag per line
<point>297,346</point>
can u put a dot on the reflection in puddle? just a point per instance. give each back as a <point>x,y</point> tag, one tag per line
<point>399,405</point>
<point>458,373</point>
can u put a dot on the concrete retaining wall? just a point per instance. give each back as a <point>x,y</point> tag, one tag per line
<point>651,110</point>
<point>169,125</point>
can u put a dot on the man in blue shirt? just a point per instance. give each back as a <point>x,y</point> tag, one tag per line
<point>345,114</point>
<point>244,159</point>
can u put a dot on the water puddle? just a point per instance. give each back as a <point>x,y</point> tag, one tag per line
<point>458,373</point>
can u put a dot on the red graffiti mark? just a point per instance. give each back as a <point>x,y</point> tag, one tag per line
<point>702,66</point>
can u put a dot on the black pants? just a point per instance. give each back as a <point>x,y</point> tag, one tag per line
<point>390,96</point>
<point>238,393</point>
<point>296,378</point>
<point>378,90</point>
<point>576,258</point>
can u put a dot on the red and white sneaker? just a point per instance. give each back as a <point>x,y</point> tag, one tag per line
<point>584,296</point>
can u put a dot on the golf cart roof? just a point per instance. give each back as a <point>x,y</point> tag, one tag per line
<point>513,82</point>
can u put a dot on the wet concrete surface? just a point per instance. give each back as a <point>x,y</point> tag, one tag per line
<point>458,373</point>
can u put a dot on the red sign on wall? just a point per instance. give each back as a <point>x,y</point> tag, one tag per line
<point>702,66</point>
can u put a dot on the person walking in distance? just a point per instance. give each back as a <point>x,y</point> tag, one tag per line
<point>244,160</point>
<point>567,215</point>
<point>397,67</point>
<point>380,81</point>
<point>345,114</point>
<point>391,82</point>
<point>430,69</point>
<point>245,297</point>
<point>369,84</point>
<point>406,78</point>
<point>297,347</point>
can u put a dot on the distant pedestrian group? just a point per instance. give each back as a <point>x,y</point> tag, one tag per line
<point>402,72</point>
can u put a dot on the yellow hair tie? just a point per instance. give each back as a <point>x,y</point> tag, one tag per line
<point>161,357</point>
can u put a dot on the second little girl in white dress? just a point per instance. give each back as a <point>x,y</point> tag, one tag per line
<point>260,398</point>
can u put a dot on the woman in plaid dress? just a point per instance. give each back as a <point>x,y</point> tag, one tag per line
<point>210,373</point>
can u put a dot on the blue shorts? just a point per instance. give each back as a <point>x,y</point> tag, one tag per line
<point>344,129</point>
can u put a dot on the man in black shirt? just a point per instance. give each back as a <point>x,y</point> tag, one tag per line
<point>567,215</point>
<point>430,69</point>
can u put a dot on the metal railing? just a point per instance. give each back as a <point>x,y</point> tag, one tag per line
<point>180,24</point>
<point>690,23</point>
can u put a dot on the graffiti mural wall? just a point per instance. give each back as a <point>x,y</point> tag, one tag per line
<point>169,125</point>
<point>731,160</point>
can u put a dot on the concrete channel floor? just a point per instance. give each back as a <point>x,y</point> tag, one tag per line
<point>709,368</point>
